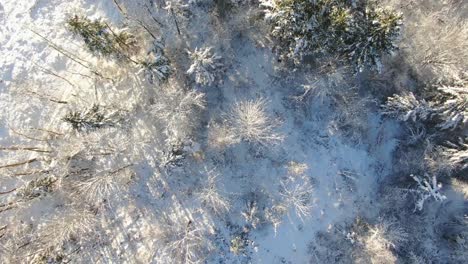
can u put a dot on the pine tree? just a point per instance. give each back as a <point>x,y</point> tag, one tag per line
<point>100,39</point>
<point>89,119</point>
<point>156,67</point>
<point>205,65</point>
<point>371,35</point>
<point>361,33</point>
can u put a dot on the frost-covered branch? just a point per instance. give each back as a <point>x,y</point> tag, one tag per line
<point>177,110</point>
<point>407,107</point>
<point>297,194</point>
<point>210,197</point>
<point>249,121</point>
<point>427,188</point>
<point>452,107</point>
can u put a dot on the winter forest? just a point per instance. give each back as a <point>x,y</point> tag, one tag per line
<point>234,131</point>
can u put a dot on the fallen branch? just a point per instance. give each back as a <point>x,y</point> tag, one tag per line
<point>18,163</point>
<point>62,51</point>
<point>35,149</point>
<point>152,16</point>
<point>47,71</point>
<point>121,169</point>
<point>30,172</point>
<point>69,55</point>
<point>48,98</point>
<point>26,136</point>
<point>146,28</point>
<point>48,131</point>
<point>120,8</point>
<point>8,206</point>
<point>7,192</point>
<point>175,20</point>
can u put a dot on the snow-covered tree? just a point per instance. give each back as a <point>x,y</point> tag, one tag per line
<point>92,118</point>
<point>221,136</point>
<point>407,107</point>
<point>362,33</point>
<point>460,186</point>
<point>59,236</point>
<point>156,67</point>
<point>348,120</point>
<point>252,214</point>
<point>380,239</point>
<point>452,107</point>
<point>205,65</point>
<point>101,39</point>
<point>275,214</point>
<point>183,240</point>
<point>447,108</point>
<point>296,192</point>
<point>371,35</point>
<point>437,48</point>
<point>427,188</point>
<point>211,197</point>
<point>178,111</point>
<point>249,121</point>
<point>104,186</point>
<point>456,154</point>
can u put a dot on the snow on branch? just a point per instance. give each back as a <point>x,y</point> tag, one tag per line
<point>156,67</point>
<point>457,155</point>
<point>211,197</point>
<point>407,107</point>
<point>453,107</point>
<point>448,108</point>
<point>205,65</point>
<point>297,195</point>
<point>427,188</point>
<point>324,27</point>
<point>250,122</point>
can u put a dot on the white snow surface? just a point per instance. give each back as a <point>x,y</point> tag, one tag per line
<point>344,175</point>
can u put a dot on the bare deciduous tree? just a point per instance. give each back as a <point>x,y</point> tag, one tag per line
<point>249,121</point>
<point>211,197</point>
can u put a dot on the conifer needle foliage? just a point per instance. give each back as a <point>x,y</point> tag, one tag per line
<point>89,119</point>
<point>100,39</point>
<point>357,30</point>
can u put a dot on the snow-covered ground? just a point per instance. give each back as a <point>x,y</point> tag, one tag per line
<point>40,85</point>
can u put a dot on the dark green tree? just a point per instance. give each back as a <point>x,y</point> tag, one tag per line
<point>356,30</point>
<point>101,39</point>
<point>90,119</point>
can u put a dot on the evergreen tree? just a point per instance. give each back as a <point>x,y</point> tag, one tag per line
<point>205,65</point>
<point>361,33</point>
<point>371,35</point>
<point>156,67</point>
<point>89,119</point>
<point>100,39</point>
